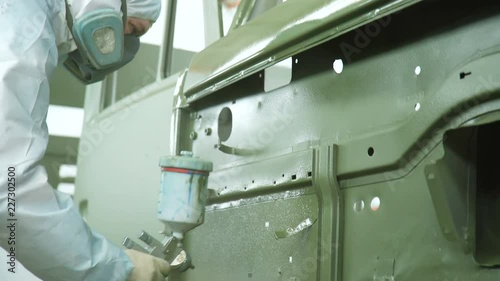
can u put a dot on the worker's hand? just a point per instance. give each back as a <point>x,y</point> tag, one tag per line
<point>147,267</point>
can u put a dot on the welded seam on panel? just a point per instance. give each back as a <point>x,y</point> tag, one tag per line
<point>234,183</point>
<point>269,196</point>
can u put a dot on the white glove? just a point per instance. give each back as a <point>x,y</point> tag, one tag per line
<point>147,267</point>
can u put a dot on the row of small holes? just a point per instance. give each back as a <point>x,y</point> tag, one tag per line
<point>360,205</point>
<point>294,177</point>
<point>338,65</point>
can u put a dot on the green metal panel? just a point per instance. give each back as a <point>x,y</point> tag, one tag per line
<point>246,247</point>
<point>329,143</point>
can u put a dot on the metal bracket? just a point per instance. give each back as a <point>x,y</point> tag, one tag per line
<point>234,151</point>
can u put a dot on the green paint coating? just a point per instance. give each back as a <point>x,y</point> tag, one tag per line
<point>359,147</point>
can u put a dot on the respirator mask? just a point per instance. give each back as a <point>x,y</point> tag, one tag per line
<point>102,46</point>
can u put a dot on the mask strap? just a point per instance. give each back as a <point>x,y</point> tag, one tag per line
<point>69,20</point>
<point>124,12</point>
<point>69,17</point>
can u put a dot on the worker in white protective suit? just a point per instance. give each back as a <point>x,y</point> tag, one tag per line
<point>40,227</point>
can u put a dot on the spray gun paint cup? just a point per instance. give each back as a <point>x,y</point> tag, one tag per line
<point>183,192</point>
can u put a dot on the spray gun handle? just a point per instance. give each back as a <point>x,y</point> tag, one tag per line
<point>157,249</point>
<point>130,244</point>
<point>170,250</point>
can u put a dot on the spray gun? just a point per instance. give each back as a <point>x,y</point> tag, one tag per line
<point>181,207</point>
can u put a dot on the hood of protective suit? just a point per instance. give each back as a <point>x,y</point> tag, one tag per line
<point>144,9</point>
<point>80,7</point>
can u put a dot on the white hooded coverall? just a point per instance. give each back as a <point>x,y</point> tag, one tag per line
<point>51,239</point>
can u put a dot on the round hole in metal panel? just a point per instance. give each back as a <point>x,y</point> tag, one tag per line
<point>359,205</point>
<point>375,204</point>
<point>418,69</point>
<point>371,151</point>
<point>225,124</point>
<point>338,66</point>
